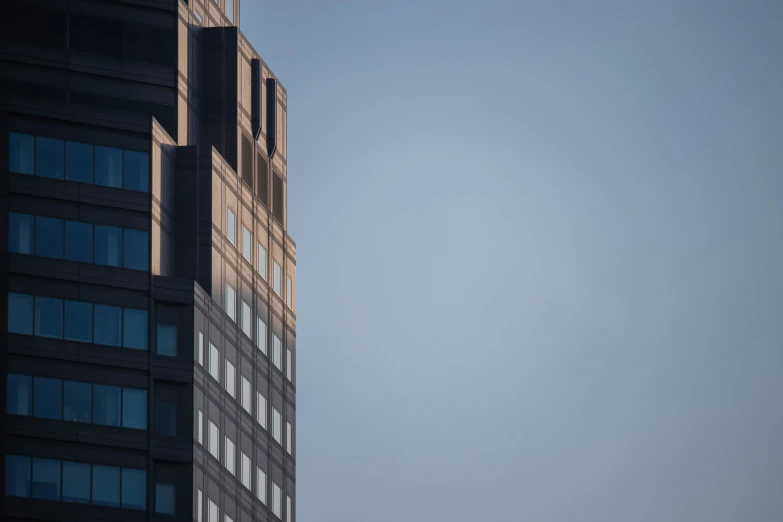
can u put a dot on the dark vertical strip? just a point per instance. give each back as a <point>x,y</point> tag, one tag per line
<point>255,97</point>
<point>271,117</point>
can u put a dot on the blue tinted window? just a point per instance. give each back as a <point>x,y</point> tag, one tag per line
<point>107,324</point>
<point>48,398</point>
<point>46,479</point>
<point>166,418</point>
<point>134,408</point>
<point>21,153</point>
<point>105,485</point>
<point>106,405</point>
<point>165,496</point>
<point>49,317</point>
<point>108,245</point>
<point>230,10</point>
<point>17,476</point>
<point>77,401</point>
<point>20,314</point>
<point>20,394</point>
<point>78,241</point>
<point>76,482</point>
<point>135,329</point>
<point>136,171</point>
<point>78,321</point>
<point>134,488</point>
<point>49,157</point>
<point>167,339</point>
<point>78,162</point>
<point>108,167</point>
<point>136,249</point>
<point>231,226</point>
<point>49,237</point>
<point>20,233</point>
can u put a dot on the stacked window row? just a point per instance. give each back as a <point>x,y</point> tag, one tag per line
<point>213,510</point>
<point>246,324</point>
<point>64,481</point>
<point>77,321</point>
<point>79,162</point>
<point>75,401</point>
<point>246,396</point>
<point>78,241</point>
<point>261,257</point>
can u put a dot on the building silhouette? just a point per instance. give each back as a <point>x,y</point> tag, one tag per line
<point>148,278</point>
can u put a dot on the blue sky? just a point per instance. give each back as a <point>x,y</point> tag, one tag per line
<point>540,257</point>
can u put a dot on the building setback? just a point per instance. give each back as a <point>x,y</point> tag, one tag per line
<point>148,281</point>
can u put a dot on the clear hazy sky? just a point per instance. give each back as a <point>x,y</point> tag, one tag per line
<point>540,257</point>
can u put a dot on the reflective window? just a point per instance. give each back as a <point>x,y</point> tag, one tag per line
<point>134,488</point>
<point>134,408</point>
<point>230,375</point>
<point>108,167</point>
<point>77,401</point>
<point>106,485</point>
<point>21,233</point>
<point>247,244</point>
<point>261,410</point>
<point>79,162</point>
<point>261,334</point>
<point>136,249</point>
<point>261,485</point>
<point>49,238</point>
<point>230,10</point>
<point>49,157</point>
<point>201,348</point>
<point>247,321</point>
<point>46,479</point>
<point>213,512</point>
<point>277,426</point>
<point>246,471</point>
<point>78,321</point>
<point>277,352</point>
<point>214,362</point>
<point>278,279</point>
<point>21,153</point>
<point>78,241</point>
<point>230,456</point>
<point>261,263</point>
<point>288,364</point>
<point>165,498</point>
<point>19,399</point>
<point>49,317</point>
<point>288,508</point>
<point>17,476</point>
<point>200,427</point>
<point>136,171</point>
<point>76,482</point>
<point>20,314</point>
<point>231,302</point>
<point>47,398</point>
<point>108,245</point>
<point>288,442</point>
<point>106,405</point>
<point>107,324</point>
<point>289,292</point>
<point>167,339</point>
<point>134,332</point>
<point>276,501</point>
<point>231,226</point>
<point>247,395</point>
<point>214,440</point>
<point>166,418</point>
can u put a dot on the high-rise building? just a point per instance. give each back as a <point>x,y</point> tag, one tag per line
<point>148,281</point>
